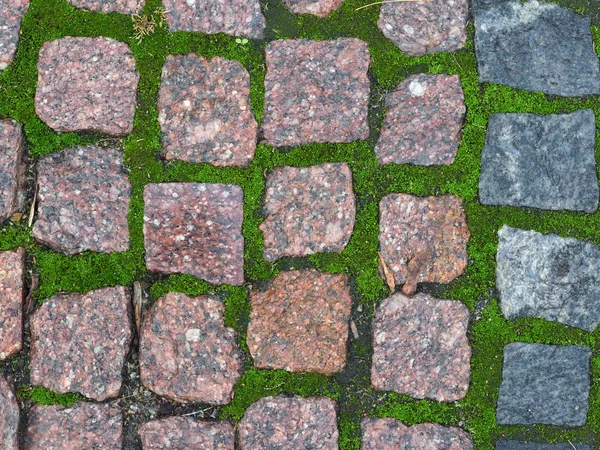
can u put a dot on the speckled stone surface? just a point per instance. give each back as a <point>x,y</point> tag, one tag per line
<point>110,6</point>
<point>80,342</point>
<point>316,91</point>
<point>204,111</point>
<point>185,433</point>
<point>233,17</point>
<point>300,322</point>
<point>9,416</point>
<point>381,434</point>
<point>83,201</point>
<point>308,210</point>
<point>423,239</point>
<point>11,15</point>
<point>12,271</point>
<point>289,423</point>
<point>420,347</point>
<point>319,8</point>
<point>516,445</point>
<point>186,352</point>
<point>12,168</point>
<point>418,28</point>
<point>423,122</point>
<point>544,384</point>
<point>195,228</point>
<point>83,426</point>
<point>87,84</point>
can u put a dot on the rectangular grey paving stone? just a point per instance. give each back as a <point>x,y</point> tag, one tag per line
<point>517,445</point>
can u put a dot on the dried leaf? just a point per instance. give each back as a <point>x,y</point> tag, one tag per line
<point>137,304</point>
<point>413,271</point>
<point>354,329</point>
<point>29,303</point>
<point>16,217</point>
<point>389,276</point>
<point>32,210</point>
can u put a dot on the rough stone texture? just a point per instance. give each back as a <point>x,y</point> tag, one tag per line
<point>195,228</point>
<point>110,6</point>
<point>319,8</point>
<point>87,84</point>
<point>83,201</point>
<point>423,122</point>
<point>12,168</point>
<point>84,426</point>
<point>308,210</point>
<point>381,434</point>
<point>548,276</point>
<point>9,416</point>
<point>316,91</point>
<point>186,352</point>
<point>545,162</point>
<point>544,384</point>
<point>516,445</point>
<point>425,27</point>
<point>536,46</point>
<point>80,342</point>
<point>420,347</point>
<point>300,323</point>
<point>233,17</point>
<point>289,423</point>
<point>179,433</point>
<point>12,271</point>
<point>11,14</point>
<point>423,239</point>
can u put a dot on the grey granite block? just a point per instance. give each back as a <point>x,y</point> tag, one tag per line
<point>516,445</point>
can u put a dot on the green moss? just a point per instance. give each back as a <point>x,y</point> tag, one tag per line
<point>43,396</point>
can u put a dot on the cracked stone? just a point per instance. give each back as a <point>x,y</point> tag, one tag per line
<point>186,433</point>
<point>12,168</point>
<point>12,272</point>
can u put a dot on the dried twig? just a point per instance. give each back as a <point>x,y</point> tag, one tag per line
<point>391,1</point>
<point>389,276</point>
<point>29,303</point>
<point>32,210</point>
<point>137,304</point>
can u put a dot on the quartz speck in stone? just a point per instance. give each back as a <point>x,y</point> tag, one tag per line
<point>186,433</point>
<point>9,416</point>
<point>516,445</point>
<point>12,271</point>
<point>319,8</point>
<point>11,15</point>
<point>110,6</point>
<point>12,168</point>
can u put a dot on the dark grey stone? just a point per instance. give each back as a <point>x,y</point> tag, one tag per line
<point>545,162</point>
<point>544,384</point>
<point>535,46</point>
<point>516,445</point>
<point>548,276</point>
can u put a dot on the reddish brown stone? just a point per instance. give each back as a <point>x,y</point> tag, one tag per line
<point>110,6</point>
<point>381,434</point>
<point>418,28</point>
<point>289,423</point>
<point>12,169</point>
<point>80,342</point>
<point>186,352</point>
<point>309,210</point>
<point>87,84</point>
<point>9,416</point>
<point>84,426</point>
<point>195,228</point>
<point>186,433</point>
<point>204,111</point>
<point>423,123</point>
<point>300,323</point>
<point>319,8</point>
<point>83,201</point>
<point>12,268</point>
<point>423,239</point>
<point>420,347</point>
<point>316,91</point>
<point>11,15</point>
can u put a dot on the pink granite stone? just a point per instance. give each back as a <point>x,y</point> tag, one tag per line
<point>423,239</point>
<point>381,434</point>
<point>12,168</point>
<point>289,423</point>
<point>195,228</point>
<point>83,426</point>
<point>185,433</point>
<point>186,352</point>
<point>9,416</point>
<point>423,123</point>
<point>418,28</point>
<point>87,84</point>
<point>11,15</point>
<point>110,6</point>
<point>83,201</point>
<point>300,323</point>
<point>316,91</point>
<point>420,347</point>
<point>12,271</point>
<point>204,111</point>
<point>233,17</point>
<point>319,8</point>
<point>308,210</point>
<point>80,342</point>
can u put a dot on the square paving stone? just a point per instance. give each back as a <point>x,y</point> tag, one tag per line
<point>12,168</point>
<point>300,322</point>
<point>544,384</point>
<point>110,6</point>
<point>186,352</point>
<point>11,15</point>
<point>185,433</point>
<point>319,8</point>
<point>423,122</point>
<point>79,342</point>
<point>83,426</point>
<point>536,46</point>
<point>83,201</point>
<point>195,228</point>
<point>12,271</point>
<point>423,239</point>
<point>308,210</point>
<point>316,91</point>
<point>516,445</point>
<point>204,111</point>
<point>544,162</point>
<point>289,423</point>
<point>9,416</point>
<point>87,84</point>
<point>420,347</point>
<point>233,17</point>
